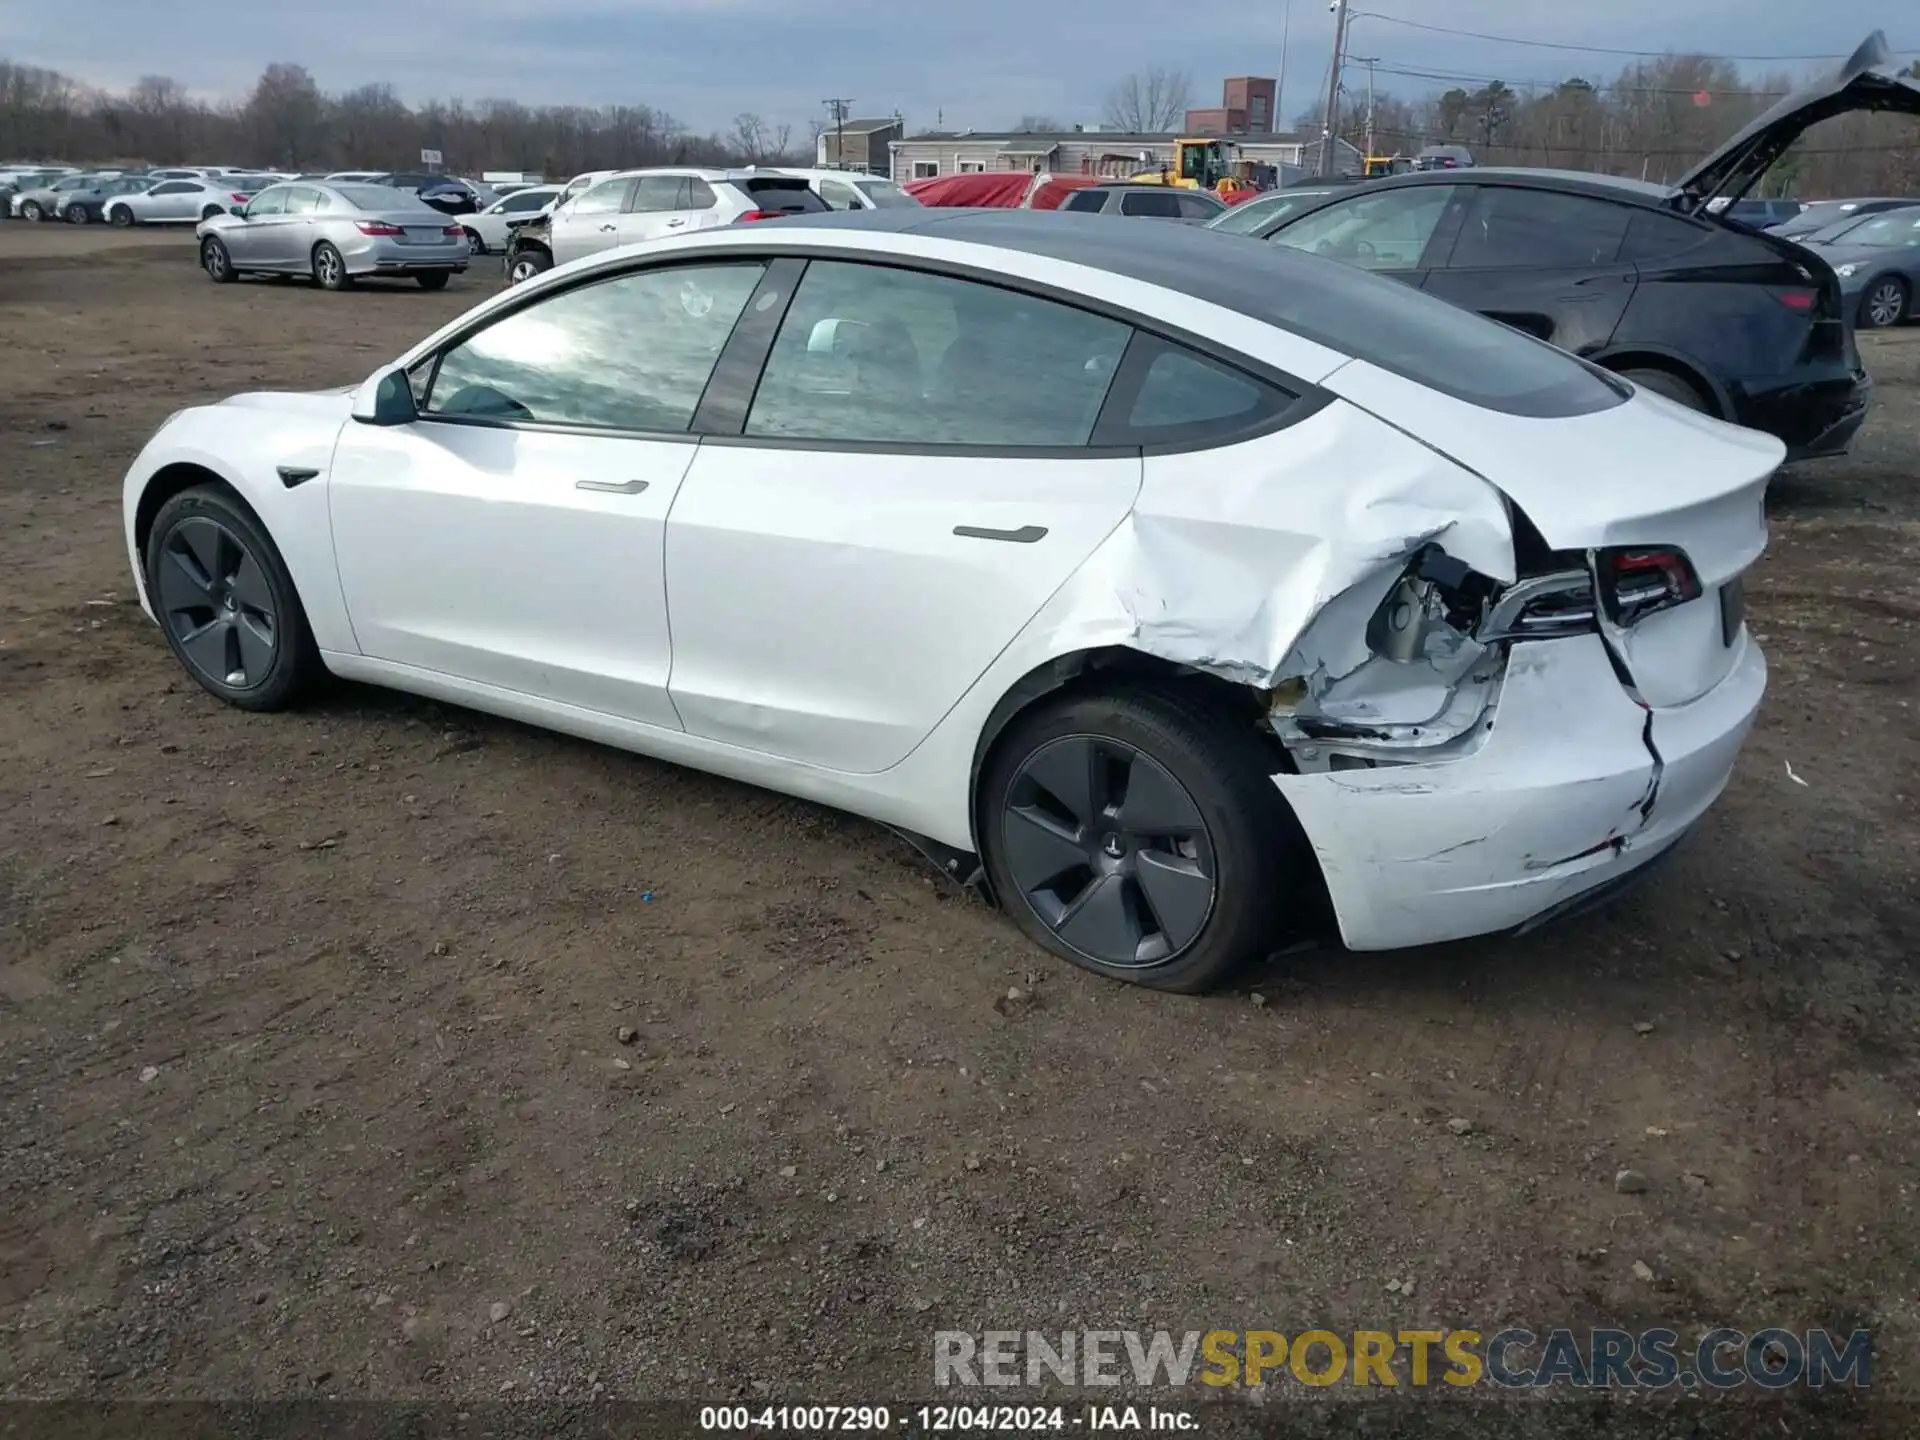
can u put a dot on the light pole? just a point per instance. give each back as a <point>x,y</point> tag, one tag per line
<point>1339,9</point>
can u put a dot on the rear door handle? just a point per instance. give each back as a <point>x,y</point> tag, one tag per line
<point>673,223</point>
<point>612,487</point>
<point>1025,535</point>
<point>605,229</point>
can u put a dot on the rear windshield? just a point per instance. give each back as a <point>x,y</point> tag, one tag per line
<point>784,193</point>
<point>382,197</point>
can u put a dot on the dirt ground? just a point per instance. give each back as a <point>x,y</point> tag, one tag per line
<point>312,1082</point>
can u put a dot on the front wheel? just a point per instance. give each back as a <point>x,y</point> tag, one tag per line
<point>433,280</point>
<point>30,210</point>
<point>1884,304</point>
<point>329,269</point>
<point>1137,834</point>
<point>77,215</point>
<point>526,264</point>
<point>215,260</point>
<point>227,604</point>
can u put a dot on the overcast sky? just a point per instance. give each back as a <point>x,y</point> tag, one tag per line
<point>981,63</point>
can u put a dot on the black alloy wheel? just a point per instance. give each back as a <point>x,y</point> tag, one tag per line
<point>1137,832</point>
<point>215,260</point>
<point>1109,850</point>
<point>226,602</point>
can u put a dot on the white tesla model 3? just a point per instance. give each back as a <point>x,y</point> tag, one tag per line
<point>1182,590</point>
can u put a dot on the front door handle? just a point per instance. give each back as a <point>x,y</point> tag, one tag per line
<point>612,487</point>
<point>672,223</point>
<point>608,229</point>
<point>1025,535</point>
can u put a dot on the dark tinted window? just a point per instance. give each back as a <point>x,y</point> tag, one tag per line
<point>174,187</point>
<point>696,194</point>
<point>872,353</point>
<point>1161,203</point>
<point>1511,228</point>
<point>784,193</point>
<point>524,200</point>
<point>1085,200</point>
<point>631,353</point>
<point>652,193</point>
<point>1197,207</point>
<point>1652,236</point>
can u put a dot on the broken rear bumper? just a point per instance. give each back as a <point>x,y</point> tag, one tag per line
<point>1565,796</point>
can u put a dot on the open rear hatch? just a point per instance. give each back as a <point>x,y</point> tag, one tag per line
<point>1867,81</point>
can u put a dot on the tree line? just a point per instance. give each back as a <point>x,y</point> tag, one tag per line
<point>288,123</point>
<point>1651,121</point>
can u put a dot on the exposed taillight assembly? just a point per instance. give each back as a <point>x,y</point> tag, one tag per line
<point>378,227</point>
<point>1636,581</point>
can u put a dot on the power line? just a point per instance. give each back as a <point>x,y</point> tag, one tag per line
<point>1407,71</point>
<point>1586,49</point>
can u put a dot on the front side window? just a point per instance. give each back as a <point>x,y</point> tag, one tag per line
<point>268,202</point>
<point>876,354</point>
<point>630,353</point>
<point>607,198</point>
<point>1509,228</point>
<point>1388,230</point>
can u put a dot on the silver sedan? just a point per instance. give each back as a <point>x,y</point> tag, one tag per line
<point>336,233</point>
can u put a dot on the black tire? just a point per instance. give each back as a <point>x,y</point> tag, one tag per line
<point>1884,303</point>
<point>30,210</point>
<point>120,215</point>
<point>211,211</point>
<point>1246,841</point>
<point>78,215</point>
<point>329,268</point>
<point>523,265</point>
<point>215,260</point>
<point>1669,385</point>
<point>433,280</point>
<point>245,578</point>
<point>475,244</point>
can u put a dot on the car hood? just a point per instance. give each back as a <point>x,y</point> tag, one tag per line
<point>319,404</point>
<point>1867,81</point>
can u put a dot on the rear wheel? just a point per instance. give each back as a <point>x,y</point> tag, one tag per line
<point>30,210</point>
<point>120,215</point>
<point>475,245</point>
<point>215,260</point>
<point>1665,383</point>
<point>433,280</point>
<point>1138,835</point>
<point>329,269</point>
<point>77,215</point>
<point>1884,304</point>
<point>227,604</point>
<point>211,211</point>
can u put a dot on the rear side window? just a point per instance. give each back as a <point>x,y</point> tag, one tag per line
<point>524,200</point>
<point>783,193</point>
<point>1084,200</point>
<point>1510,228</point>
<point>1161,204</point>
<point>883,355</point>
<point>1197,207</point>
<point>695,194</point>
<point>1653,236</point>
<point>885,195</point>
<point>1168,394</point>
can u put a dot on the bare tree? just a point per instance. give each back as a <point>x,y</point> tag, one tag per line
<point>1038,125</point>
<point>752,140</point>
<point>287,115</point>
<point>1149,102</point>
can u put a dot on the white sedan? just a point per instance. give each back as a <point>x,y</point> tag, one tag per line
<point>488,231</point>
<point>1180,590</point>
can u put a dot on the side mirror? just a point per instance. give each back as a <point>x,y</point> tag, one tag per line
<point>239,210</point>
<point>386,398</point>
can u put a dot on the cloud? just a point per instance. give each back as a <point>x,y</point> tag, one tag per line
<point>980,64</point>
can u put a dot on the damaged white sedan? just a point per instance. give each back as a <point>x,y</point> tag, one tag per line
<point>1188,593</point>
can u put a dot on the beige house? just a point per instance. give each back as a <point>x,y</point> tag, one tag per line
<point>1090,151</point>
<point>866,142</point>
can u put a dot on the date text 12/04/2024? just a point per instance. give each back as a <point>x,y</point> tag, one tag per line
<point>942,1419</point>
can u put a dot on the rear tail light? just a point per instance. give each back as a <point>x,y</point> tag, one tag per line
<point>1633,582</point>
<point>1636,581</point>
<point>377,227</point>
<point>239,199</point>
<point>1801,300</point>
<point>454,231</point>
<point>759,215</point>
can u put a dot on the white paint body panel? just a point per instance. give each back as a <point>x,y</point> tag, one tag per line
<point>807,620</point>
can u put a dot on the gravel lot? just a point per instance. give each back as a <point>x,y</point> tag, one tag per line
<point>310,1024</point>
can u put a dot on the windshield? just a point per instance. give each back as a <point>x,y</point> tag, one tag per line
<point>1889,230</point>
<point>1250,215</point>
<point>886,195</point>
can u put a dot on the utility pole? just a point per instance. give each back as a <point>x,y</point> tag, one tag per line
<point>1369,61</point>
<point>1280,85</point>
<point>838,109</point>
<point>1339,8</point>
